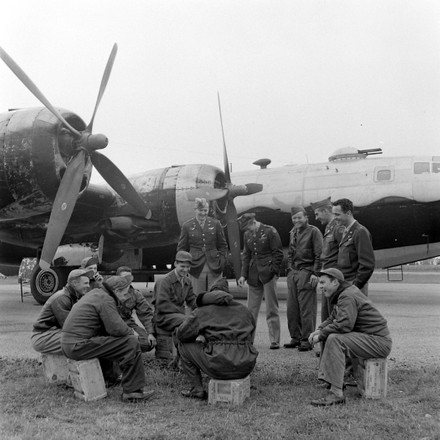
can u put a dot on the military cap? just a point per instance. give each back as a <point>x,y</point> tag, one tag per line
<point>295,209</point>
<point>89,261</point>
<point>335,273</point>
<point>221,284</point>
<point>121,269</point>
<point>78,273</point>
<point>326,203</point>
<point>201,203</point>
<point>246,219</point>
<point>116,283</point>
<point>183,256</point>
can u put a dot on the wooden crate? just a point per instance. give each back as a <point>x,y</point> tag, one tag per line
<point>55,368</point>
<point>87,379</point>
<point>232,391</point>
<point>372,378</point>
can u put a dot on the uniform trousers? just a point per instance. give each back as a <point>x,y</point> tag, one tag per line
<point>125,350</point>
<point>355,345</point>
<point>205,280</point>
<point>302,305</point>
<point>48,341</point>
<point>255,296</point>
<point>142,335</point>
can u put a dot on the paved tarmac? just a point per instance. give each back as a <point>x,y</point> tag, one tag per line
<point>411,308</point>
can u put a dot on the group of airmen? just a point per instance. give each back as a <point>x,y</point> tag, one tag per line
<point>92,317</point>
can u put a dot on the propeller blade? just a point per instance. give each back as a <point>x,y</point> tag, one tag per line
<point>62,208</point>
<point>225,153</point>
<point>104,81</point>
<point>116,179</point>
<point>253,188</point>
<point>234,238</point>
<point>34,90</point>
<point>206,192</point>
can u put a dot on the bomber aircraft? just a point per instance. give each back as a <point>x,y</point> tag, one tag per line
<point>51,211</point>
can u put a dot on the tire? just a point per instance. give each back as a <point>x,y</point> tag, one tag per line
<point>45,282</point>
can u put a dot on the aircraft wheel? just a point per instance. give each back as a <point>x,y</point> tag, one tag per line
<point>45,282</point>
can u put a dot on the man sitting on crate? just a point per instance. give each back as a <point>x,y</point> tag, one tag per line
<point>95,329</point>
<point>354,329</point>
<point>46,333</point>
<point>216,338</point>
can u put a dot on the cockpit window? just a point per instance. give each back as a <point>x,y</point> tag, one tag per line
<point>421,167</point>
<point>436,167</point>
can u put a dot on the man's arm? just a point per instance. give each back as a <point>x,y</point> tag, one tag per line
<point>317,249</point>
<point>144,311</point>
<point>111,319</point>
<point>61,307</point>
<point>221,243</point>
<point>183,243</point>
<point>366,260</point>
<point>277,251</point>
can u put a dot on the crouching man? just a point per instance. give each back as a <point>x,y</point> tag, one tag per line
<point>94,329</point>
<point>354,329</point>
<point>216,338</point>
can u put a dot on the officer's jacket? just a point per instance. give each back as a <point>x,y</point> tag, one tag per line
<point>228,330</point>
<point>96,314</point>
<point>134,300</point>
<point>356,255</point>
<point>305,247</point>
<point>170,299</point>
<point>353,312</point>
<point>56,309</point>
<point>262,255</point>
<point>330,245</point>
<point>205,245</point>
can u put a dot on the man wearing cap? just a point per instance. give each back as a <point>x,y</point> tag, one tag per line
<point>261,264</point>
<point>94,329</point>
<point>130,300</point>
<point>303,265</point>
<point>174,291</point>
<point>354,329</point>
<point>203,238</point>
<point>356,255</point>
<point>46,334</point>
<point>92,264</point>
<point>330,245</point>
<point>216,338</point>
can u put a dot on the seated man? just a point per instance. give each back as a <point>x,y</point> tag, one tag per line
<point>46,333</point>
<point>131,300</point>
<point>94,329</point>
<point>216,338</point>
<point>174,291</point>
<point>92,264</point>
<point>354,329</point>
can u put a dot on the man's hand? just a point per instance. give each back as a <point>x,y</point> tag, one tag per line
<point>314,337</point>
<point>313,281</point>
<point>152,340</point>
<point>241,281</point>
<point>201,339</point>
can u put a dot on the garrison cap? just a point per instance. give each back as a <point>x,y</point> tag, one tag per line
<point>116,282</point>
<point>246,219</point>
<point>89,261</point>
<point>121,269</point>
<point>201,203</point>
<point>335,273</point>
<point>326,203</point>
<point>183,256</point>
<point>295,209</point>
<point>78,273</point>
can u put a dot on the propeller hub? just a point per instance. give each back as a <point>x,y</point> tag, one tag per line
<point>96,142</point>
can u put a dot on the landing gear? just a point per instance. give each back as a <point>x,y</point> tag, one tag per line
<point>45,282</point>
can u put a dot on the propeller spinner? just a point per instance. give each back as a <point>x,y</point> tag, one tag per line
<point>85,144</point>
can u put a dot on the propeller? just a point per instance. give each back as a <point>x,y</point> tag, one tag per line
<point>231,211</point>
<point>85,145</point>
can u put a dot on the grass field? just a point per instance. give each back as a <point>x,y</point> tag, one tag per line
<point>283,384</point>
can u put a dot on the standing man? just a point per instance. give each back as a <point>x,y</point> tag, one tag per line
<point>356,255</point>
<point>130,300</point>
<point>174,291</point>
<point>203,238</point>
<point>261,263</point>
<point>216,338</point>
<point>355,329</point>
<point>46,334</point>
<point>330,245</point>
<point>303,265</point>
<point>94,329</point>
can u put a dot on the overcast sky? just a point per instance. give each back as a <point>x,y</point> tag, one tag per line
<point>297,79</point>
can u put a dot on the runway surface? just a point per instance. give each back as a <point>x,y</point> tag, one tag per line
<point>412,311</point>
